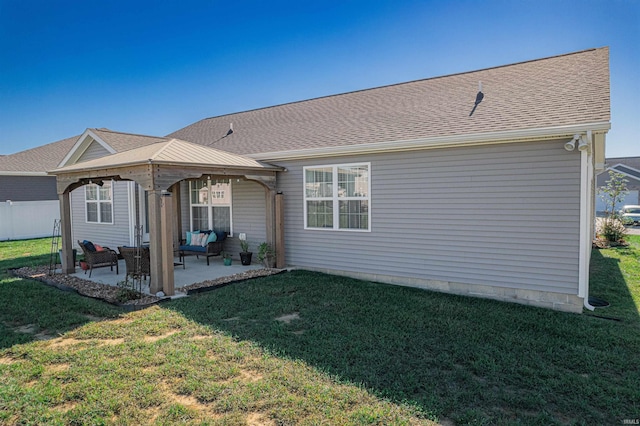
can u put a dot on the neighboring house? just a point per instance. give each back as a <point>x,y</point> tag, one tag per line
<point>629,167</point>
<point>425,183</point>
<point>28,198</point>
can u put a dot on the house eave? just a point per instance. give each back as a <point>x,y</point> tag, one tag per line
<point>505,136</point>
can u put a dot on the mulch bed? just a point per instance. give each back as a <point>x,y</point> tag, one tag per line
<point>110,293</point>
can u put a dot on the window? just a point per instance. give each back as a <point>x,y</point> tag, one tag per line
<point>337,197</point>
<point>210,204</point>
<point>99,203</point>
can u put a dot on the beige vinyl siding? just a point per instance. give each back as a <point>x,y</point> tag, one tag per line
<point>499,215</point>
<point>106,234</point>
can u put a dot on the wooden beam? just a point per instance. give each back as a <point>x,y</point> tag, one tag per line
<point>279,218</point>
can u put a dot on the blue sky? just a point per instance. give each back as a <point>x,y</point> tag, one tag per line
<point>154,67</point>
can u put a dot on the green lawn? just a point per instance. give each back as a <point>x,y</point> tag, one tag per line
<point>308,348</point>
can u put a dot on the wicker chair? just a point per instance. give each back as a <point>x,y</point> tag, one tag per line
<point>136,266</point>
<point>99,259</point>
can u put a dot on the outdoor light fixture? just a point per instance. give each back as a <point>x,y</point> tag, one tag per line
<point>571,145</point>
<point>583,145</point>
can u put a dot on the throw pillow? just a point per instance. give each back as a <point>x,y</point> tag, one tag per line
<point>198,239</point>
<point>211,238</point>
<point>98,247</point>
<point>189,234</point>
<point>89,246</point>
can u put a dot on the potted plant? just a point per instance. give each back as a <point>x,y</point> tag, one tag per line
<point>226,257</point>
<point>245,254</point>
<point>266,255</point>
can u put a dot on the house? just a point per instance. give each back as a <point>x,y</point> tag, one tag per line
<point>28,198</point>
<point>629,167</point>
<point>479,183</point>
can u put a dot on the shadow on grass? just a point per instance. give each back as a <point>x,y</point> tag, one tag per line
<point>30,310</point>
<point>463,358</point>
<point>24,261</point>
<point>608,283</point>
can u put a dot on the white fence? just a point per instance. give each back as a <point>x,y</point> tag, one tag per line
<point>27,219</point>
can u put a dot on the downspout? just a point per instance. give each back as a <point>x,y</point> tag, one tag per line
<point>586,201</point>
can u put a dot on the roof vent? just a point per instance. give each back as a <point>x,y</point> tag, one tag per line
<point>479,98</point>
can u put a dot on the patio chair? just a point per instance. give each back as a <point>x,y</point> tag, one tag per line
<point>137,261</point>
<point>98,258</point>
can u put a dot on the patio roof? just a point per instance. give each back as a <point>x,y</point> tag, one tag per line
<point>170,152</point>
<point>160,165</point>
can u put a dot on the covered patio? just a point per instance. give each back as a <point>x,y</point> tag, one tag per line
<point>158,169</point>
<point>195,271</point>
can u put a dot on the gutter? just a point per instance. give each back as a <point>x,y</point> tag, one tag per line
<point>504,136</point>
<point>3,173</point>
<point>586,201</point>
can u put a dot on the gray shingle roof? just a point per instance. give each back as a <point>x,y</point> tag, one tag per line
<point>560,90</point>
<point>39,159</point>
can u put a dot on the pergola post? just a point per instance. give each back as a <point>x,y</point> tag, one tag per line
<point>167,244</point>
<point>279,231</point>
<point>270,219</point>
<point>155,241</point>
<point>160,243</point>
<point>68,266</point>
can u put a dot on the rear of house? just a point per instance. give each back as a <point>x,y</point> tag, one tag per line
<point>418,184</point>
<point>499,221</point>
<point>479,183</point>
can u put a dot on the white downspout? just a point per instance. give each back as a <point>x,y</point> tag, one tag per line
<point>586,200</point>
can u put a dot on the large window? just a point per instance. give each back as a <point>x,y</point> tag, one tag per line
<point>210,204</point>
<point>99,203</point>
<point>337,197</point>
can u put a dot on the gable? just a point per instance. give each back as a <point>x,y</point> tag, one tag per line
<point>93,150</point>
<point>88,141</point>
<point>627,171</point>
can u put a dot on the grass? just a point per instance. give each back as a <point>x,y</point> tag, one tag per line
<point>308,348</point>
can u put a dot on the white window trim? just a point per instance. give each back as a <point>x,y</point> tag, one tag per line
<point>210,206</point>
<point>98,202</point>
<point>335,199</point>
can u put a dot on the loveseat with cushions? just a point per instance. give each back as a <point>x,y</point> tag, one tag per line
<point>203,243</point>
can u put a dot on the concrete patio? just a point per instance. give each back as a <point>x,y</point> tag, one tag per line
<point>195,271</point>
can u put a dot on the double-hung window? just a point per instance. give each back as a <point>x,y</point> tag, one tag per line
<point>99,203</point>
<point>210,204</point>
<point>337,197</point>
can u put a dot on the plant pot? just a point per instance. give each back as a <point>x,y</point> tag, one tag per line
<point>245,257</point>
<point>83,265</point>
<point>227,261</point>
<point>269,261</point>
